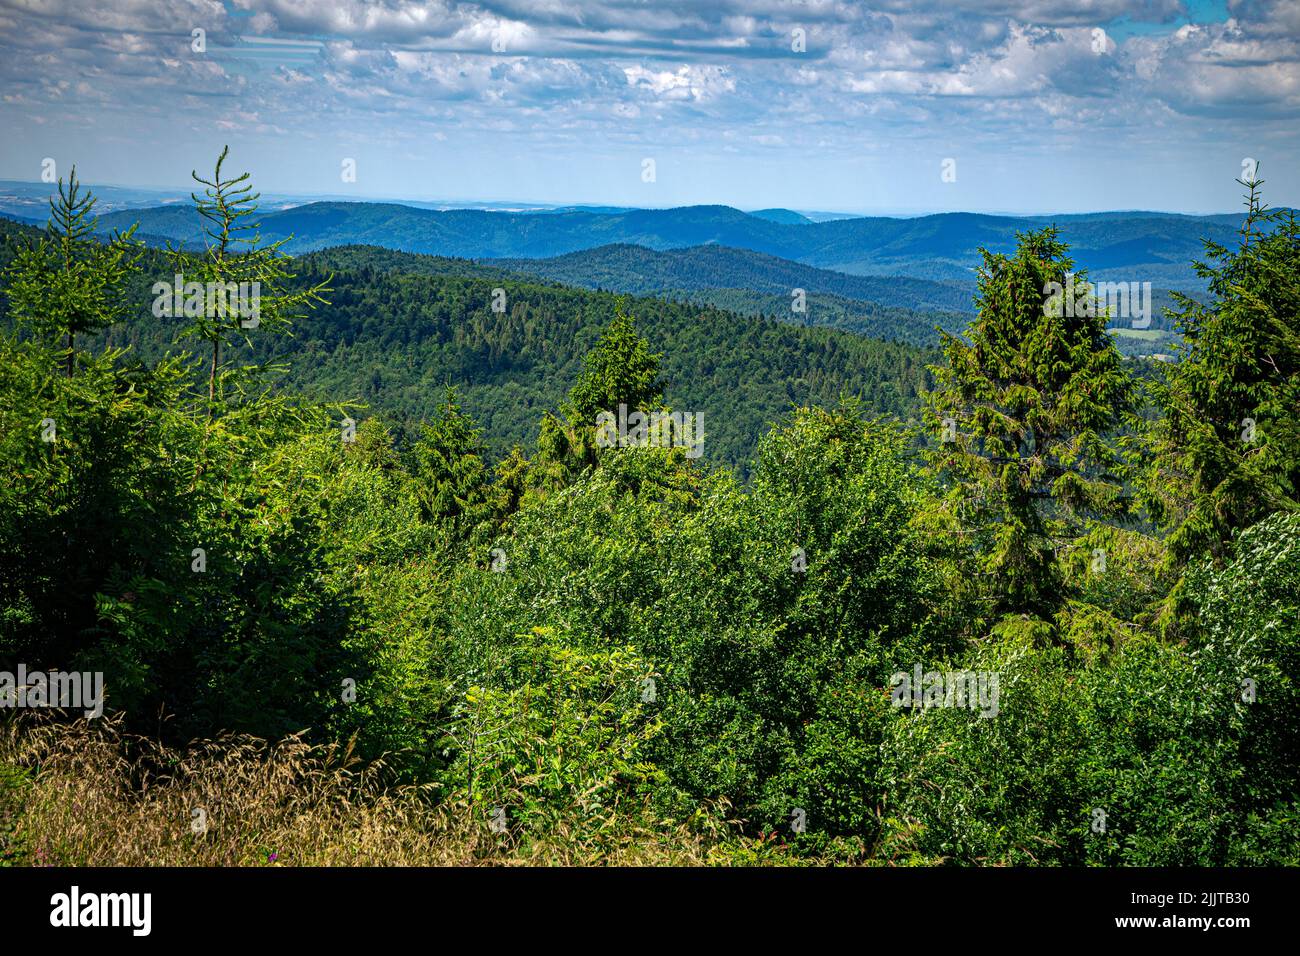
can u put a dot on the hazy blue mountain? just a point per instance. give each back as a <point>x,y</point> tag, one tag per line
<point>377,260</point>
<point>754,283</point>
<point>786,216</point>
<point>1143,246</point>
<point>732,259</point>
<point>30,201</point>
<point>637,269</point>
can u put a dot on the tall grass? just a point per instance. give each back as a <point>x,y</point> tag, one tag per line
<point>86,793</point>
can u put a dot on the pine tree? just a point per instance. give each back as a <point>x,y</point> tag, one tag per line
<point>66,283</point>
<point>451,473</point>
<point>236,260</point>
<point>1022,409</point>
<point>1227,452</point>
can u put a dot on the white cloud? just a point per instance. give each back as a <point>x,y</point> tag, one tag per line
<point>686,83</point>
<point>625,71</point>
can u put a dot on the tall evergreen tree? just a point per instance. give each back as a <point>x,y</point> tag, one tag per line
<point>66,283</point>
<point>236,260</point>
<point>1227,452</point>
<point>452,478</point>
<point>1022,409</point>
<point>620,370</point>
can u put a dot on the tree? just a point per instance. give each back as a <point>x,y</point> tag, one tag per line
<point>243,284</point>
<point>620,370</point>
<point>66,283</point>
<point>1022,409</point>
<point>452,479</point>
<point>1227,452</point>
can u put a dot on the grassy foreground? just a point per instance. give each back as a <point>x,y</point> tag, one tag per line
<point>88,794</point>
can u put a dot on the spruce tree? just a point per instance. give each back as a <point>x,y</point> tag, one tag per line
<point>67,283</point>
<point>620,370</point>
<point>1021,411</point>
<point>1227,452</point>
<point>452,478</point>
<point>235,257</point>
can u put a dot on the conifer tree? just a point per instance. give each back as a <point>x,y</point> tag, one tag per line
<point>66,283</point>
<point>235,257</point>
<point>1021,411</point>
<point>1227,452</point>
<point>620,370</point>
<point>452,477</point>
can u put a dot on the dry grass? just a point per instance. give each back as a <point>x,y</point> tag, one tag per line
<point>87,794</point>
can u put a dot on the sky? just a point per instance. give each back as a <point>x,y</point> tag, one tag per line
<point>1031,106</point>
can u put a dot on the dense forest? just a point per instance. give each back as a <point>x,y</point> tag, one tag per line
<point>646,270</point>
<point>1026,606</point>
<point>393,342</point>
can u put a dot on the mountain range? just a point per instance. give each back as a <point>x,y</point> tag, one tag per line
<point>1142,246</point>
<point>396,328</point>
<point>855,273</point>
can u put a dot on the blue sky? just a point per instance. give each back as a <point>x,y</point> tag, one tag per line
<point>1041,105</point>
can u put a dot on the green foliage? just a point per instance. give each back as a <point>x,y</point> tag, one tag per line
<point>1022,410</point>
<point>452,478</point>
<point>205,559</point>
<point>64,282</point>
<point>1159,737</point>
<point>235,264</point>
<point>557,734</point>
<point>14,842</point>
<point>1227,451</point>
<point>601,635</point>
<point>1248,614</point>
<point>88,491</point>
<point>619,371</point>
<point>762,665</point>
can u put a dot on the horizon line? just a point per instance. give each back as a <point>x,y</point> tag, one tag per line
<point>480,204</point>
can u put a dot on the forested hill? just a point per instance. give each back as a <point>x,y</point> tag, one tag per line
<point>737,280</point>
<point>856,271</point>
<point>944,246</point>
<point>393,339</point>
<point>755,283</point>
<point>642,270</point>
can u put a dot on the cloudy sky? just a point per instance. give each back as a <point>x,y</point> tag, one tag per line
<point>1040,105</point>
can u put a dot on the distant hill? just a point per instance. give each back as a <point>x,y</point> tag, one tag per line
<point>374,260</point>
<point>942,250</point>
<point>732,279</point>
<point>938,247</point>
<point>631,268</point>
<point>754,283</point>
<point>786,216</point>
<point>397,328</point>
